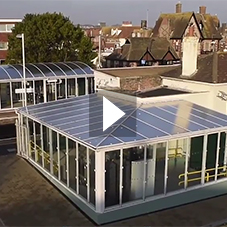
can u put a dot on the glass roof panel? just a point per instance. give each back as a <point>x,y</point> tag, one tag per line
<point>167,127</point>
<point>20,69</point>
<point>34,70</point>
<point>84,67</point>
<point>3,74</point>
<point>110,141</point>
<point>14,74</point>
<point>57,71</point>
<point>126,135</point>
<point>75,68</point>
<point>47,72</point>
<point>180,118</point>
<point>65,68</point>
<point>95,141</point>
<point>198,117</point>
<point>143,129</point>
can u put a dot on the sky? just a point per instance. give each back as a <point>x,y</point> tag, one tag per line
<point>109,11</point>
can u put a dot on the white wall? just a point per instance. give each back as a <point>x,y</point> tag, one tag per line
<point>103,80</point>
<point>207,99</point>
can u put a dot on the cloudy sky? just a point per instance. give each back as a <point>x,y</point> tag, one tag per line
<point>110,11</point>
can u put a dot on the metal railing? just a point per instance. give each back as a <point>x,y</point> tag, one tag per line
<point>208,174</point>
<point>34,147</point>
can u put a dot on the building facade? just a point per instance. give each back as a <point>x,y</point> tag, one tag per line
<point>6,26</point>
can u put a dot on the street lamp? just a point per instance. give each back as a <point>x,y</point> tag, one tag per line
<point>21,36</point>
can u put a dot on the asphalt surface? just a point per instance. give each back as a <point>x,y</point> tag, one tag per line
<point>28,199</point>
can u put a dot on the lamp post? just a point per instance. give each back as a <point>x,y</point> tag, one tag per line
<point>21,36</point>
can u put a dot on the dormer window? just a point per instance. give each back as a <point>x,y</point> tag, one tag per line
<point>201,26</point>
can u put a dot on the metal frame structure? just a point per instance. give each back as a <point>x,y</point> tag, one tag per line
<point>44,76</point>
<point>93,200</point>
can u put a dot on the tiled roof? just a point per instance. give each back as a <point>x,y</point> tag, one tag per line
<point>126,32</point>
<point>205,66</point>
<point>157,47</point>
<point>179,21</point>
<point>139,72</point>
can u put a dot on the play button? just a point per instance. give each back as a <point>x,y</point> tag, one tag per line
<point>111,113</point>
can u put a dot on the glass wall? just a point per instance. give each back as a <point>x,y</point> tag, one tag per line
<point>195,161</point>
<point>160,168</point>
<point>55,154</point>
<point>32,144</point>
<point>133,174</point>
<point>35,91</point>
<point>5,95</point>
<point>112,178</point>
<point>72,165</point>
<point>38,143</point>
<point>61,90</point>
<point>39,97</point>
<point>83,165</point>
<point>17,97</point>
<point>92,176</point>
<point>46,147</point>
<point>81,86</point>
<point>30,93</point>
<point>63,158</point>
<point>91,85</point>
<point>176,164</point>
<point>71,87</point>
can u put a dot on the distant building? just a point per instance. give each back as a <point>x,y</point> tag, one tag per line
<point>175,26</point>
<point>143,52</point>
<point>6,26</point>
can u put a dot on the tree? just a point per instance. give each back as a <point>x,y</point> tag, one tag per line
<point>49,37</point>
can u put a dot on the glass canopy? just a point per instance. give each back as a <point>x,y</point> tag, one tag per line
<point>41,70</point>
<point>80,116</point>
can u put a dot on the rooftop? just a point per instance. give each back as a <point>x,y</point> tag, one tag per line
<point>80,118</point>
<point>42,70</point>
<point>205,68</point>
<point>24,191</point>
<point>139,71</point>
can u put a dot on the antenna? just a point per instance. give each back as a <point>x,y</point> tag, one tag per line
<point>147,17</point>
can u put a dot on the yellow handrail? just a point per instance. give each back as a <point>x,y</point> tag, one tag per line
<point>34,147</point>
<point>207,174</point>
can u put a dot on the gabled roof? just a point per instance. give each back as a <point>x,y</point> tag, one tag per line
<point>138,47</point>
<point>178,22</point>
<point>211,26</point>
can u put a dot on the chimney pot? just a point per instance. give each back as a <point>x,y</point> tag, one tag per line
<point>179,7</point>
<point>202,10</point>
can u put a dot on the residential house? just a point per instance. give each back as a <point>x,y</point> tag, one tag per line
<point>6,26</point>
<point>143,52</point>
<point>175,26</point>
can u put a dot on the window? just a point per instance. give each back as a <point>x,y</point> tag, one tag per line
<point>6,27</point>
<point>9,27</point>
<point>3,45</point>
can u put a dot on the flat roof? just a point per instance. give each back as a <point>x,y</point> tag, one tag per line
<point>10,20</point>
<point>44,70</point>
<point>80,118</point>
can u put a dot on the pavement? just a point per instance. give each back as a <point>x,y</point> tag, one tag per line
<point>28,199</point>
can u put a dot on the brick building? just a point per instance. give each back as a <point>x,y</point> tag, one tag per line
<point>6,26</point>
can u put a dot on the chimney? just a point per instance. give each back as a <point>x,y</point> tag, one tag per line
<point>179,7</point>
<point>202,10</point>
<point>215,67</point>
<point>190,55</point>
